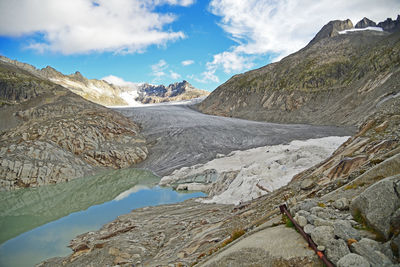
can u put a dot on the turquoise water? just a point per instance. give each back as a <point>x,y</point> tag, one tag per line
<point>39,223</point>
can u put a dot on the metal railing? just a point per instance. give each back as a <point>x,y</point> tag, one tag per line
<point>310,242</point>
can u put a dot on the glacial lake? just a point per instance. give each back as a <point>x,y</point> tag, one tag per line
<point>38,223</point>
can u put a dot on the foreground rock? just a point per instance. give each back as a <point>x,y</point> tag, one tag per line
<point>53,135</point>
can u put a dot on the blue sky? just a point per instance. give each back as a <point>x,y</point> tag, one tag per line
<point>164,41</point>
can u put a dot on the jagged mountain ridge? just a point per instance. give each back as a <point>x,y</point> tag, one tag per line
<point>337,79</point>
<point>109,94</point>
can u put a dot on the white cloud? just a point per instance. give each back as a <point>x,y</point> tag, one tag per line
<point>174,2</point>
<point>117,81</point>
<point>174,75</point>
<point>160,70</point>
<point>208,76</point>
<point>83,26</point>
<point>187,62</point>
<point>283,27</point>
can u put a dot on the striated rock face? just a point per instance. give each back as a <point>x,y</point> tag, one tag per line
<point>335,79</point>
<point>109,94</point>
<point>56,135</point>
<point>364,23</point>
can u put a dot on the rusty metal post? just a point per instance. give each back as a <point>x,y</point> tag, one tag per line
<point>310,242</point>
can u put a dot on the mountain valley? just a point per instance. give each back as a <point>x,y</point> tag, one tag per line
<point>318,131</point>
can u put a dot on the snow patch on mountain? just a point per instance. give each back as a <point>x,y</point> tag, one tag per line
<point>379,29</point>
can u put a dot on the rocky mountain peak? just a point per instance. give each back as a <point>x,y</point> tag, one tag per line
<point>364,23</point>
<point>50,72</point>
<point>390,25</point>
<point>332,29</point>
<point>78,76</point>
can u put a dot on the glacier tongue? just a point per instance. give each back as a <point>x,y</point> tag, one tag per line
<point>260,170</point>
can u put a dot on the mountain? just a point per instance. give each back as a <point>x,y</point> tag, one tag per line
<point>148,93</point>
<point>342,76</point>
<point>348,204</point>
<point>49,134</point>
<point>108,94</point>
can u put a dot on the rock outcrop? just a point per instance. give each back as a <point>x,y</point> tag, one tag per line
<point>56,135</point>
<point>390,25</point>
<point>332,29</point>
<point>364,23</point>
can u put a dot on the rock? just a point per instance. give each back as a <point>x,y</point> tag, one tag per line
<point>331,29</point>
<point>377,204</point>
<point>302,221</point>
<point>336,249</point>
<point>307,184</point>
<point>322,235</point>
<point>370,250</point>
<point>308,228</point>
<point>341,204</point>
<point>312,218</point>
<point>306,205</point>
<point>390,25</point>
<point>353,260</point>
<point>345,231</point>
<point>322,222</point>
<point>364,23</point>
<point>395,222</point>
<point>395,245</point>
<point>381,127</point>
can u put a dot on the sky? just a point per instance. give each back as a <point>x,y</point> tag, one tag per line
<point>166,41</point>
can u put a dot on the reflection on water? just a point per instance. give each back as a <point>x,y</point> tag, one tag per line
<point>77,204</point>
<point>28,208</point>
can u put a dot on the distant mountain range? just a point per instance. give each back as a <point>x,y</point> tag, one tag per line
<point>109,94</point>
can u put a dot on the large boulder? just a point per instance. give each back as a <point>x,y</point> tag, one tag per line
<point>351,260</point>
<point>371,251</point>
<point>378,204</point>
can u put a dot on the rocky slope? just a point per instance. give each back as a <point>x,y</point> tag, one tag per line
<point>108,94</point>
<point>336,79</point>
<point>49,134</point>
<point>349,203</point>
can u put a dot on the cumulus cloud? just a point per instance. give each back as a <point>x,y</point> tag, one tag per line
<point>83,26</point>
<point>282,27</point>
<point>187,62</point>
